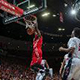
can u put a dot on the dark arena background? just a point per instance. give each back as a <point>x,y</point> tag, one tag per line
<point>55,23</point>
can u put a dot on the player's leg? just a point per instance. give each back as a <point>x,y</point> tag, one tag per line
<point>77,74</point>
<point>75,67</point>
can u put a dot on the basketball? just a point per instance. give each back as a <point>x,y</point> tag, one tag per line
<point>30,31</point>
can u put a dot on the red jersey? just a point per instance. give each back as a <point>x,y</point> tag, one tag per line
<point>37,45</point>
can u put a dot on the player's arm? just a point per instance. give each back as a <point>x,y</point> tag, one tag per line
<point>38,32</point>
<point>27,22</point>
<point>64,49</point>
<point>36,28</point>
<point>68,50</point>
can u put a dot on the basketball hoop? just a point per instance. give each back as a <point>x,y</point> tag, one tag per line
<point>25,12</point>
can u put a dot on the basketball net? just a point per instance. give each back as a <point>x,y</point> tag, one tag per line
<point>30,21</point>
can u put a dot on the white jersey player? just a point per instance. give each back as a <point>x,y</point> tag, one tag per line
<point>41,72</point>
<point>74,49</point>
<point>75,66</point>
<point>44,64</point>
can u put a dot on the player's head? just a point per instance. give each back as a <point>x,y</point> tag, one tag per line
<point>30,31</point>
<point>76,32</point>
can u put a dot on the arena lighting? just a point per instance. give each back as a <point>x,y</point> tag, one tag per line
<point>54,15</point>
<point>73,12</point>
<point>61,29</point>
<point>65,5</point>
<point>31,6</point>
<point>45,14</point>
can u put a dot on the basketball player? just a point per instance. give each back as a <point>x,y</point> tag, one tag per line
<point>46,72</point>
<point>65,60</point>
<point>41,72</point>
<point>32,28</point>
<point>44,64</point>
<point>74,49</point>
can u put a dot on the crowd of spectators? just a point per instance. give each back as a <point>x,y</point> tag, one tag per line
<point>14,70</point>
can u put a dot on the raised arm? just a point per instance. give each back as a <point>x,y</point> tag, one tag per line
<point>68,50</point>
<point>64,49</point>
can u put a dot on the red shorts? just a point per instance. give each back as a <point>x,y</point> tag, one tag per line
<point>35,60</point>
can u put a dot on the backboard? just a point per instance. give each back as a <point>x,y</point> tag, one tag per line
<point>28,6</point>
